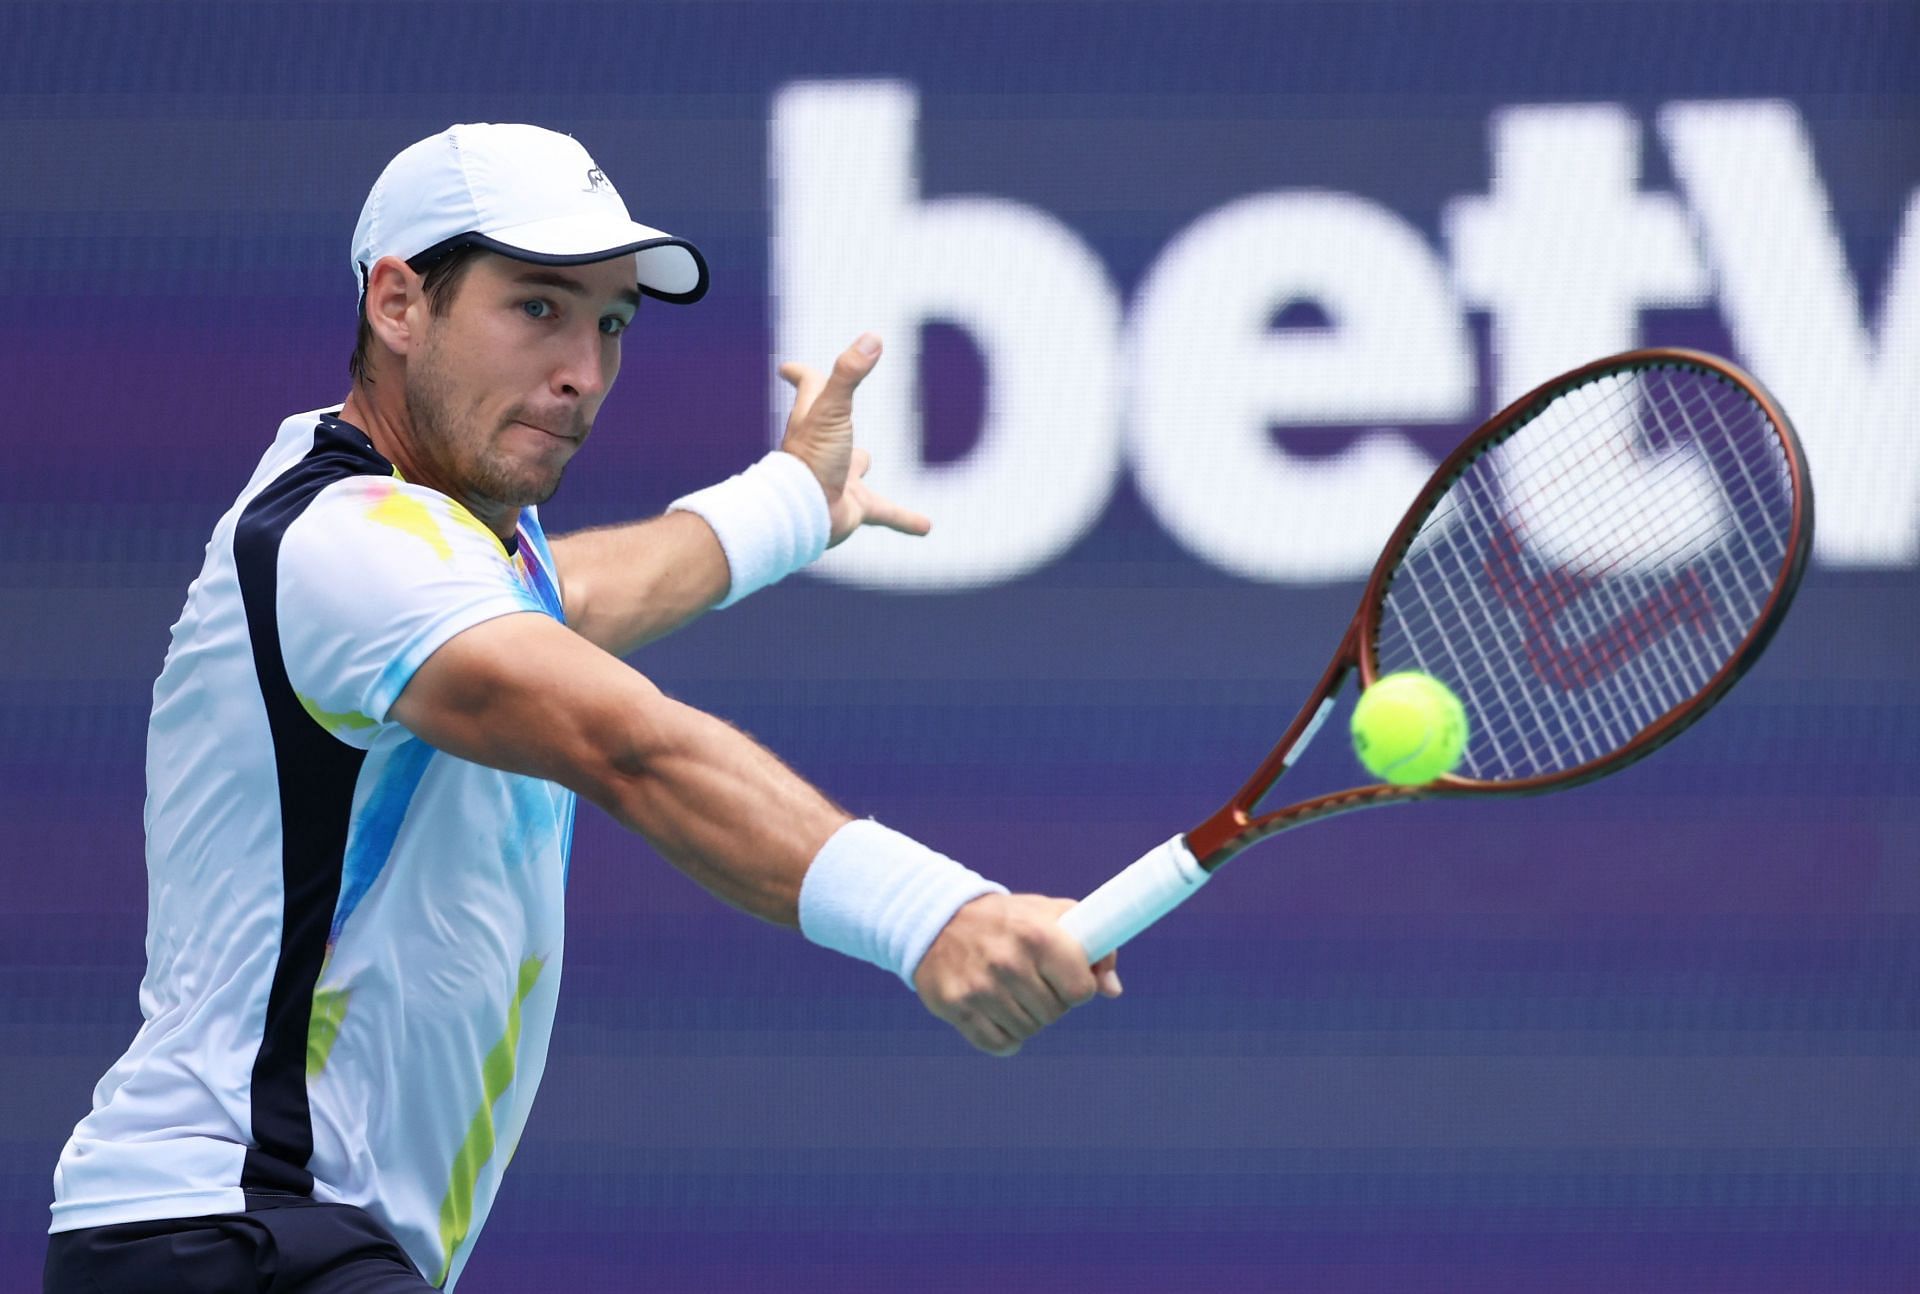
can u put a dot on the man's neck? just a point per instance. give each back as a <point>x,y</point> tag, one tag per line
<point>390,430</point>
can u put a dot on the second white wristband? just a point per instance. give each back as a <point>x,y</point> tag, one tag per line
<point>883,897</point>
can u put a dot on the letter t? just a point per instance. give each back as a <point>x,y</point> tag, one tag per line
<point>1564,250</point>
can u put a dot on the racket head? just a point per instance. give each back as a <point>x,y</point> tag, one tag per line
<point>1594,568</point>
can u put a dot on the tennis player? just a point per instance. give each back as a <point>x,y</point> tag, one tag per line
<point>384,693</point>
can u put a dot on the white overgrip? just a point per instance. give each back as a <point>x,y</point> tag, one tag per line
<point>1135,898</point>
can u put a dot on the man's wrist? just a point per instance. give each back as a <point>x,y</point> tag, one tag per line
<point>771,520</point>
<point>884,897</point>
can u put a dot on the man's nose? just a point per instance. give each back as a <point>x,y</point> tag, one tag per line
<point>583,369</point>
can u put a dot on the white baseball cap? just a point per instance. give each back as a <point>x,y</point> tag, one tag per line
<point>522,191</point>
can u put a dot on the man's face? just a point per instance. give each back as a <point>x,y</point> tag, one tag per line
<point>504,387</point>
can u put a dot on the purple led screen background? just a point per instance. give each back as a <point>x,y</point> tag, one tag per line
<point>1656,1034</point>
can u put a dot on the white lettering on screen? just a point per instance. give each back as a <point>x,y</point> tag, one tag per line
<point>1564,251</point>
<point>1210,377</point>
<point>1796,317</point>
<point>855,247</point>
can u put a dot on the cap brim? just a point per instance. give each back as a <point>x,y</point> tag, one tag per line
<point>666,267</point>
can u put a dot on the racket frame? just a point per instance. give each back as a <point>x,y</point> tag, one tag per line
<point>1236,825</point>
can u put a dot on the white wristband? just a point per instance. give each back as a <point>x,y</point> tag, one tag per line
<point>771,520</point>
<point>883,897</point>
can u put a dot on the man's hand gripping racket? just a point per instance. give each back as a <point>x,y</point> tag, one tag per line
<point>1589,572</point>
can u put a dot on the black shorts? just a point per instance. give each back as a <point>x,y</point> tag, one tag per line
<point>281,1243</point>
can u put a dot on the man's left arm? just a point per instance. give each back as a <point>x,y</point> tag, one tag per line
<point>624,586</point>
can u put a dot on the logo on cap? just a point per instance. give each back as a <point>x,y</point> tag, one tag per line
<point>597,181</point>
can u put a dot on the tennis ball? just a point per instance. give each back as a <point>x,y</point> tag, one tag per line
<point>1409,728</point>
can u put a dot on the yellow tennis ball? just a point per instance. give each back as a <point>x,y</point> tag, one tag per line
<point>1409,729</point>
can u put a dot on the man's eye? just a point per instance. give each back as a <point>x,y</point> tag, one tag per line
<point>537,309</point>
<point>614,325</point>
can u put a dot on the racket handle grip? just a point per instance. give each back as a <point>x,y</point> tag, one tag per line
<point>1135,898</point>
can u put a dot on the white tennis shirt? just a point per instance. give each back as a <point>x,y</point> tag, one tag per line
<point>353,940</point>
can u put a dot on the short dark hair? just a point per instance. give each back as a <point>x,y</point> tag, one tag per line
<point>440,281</point>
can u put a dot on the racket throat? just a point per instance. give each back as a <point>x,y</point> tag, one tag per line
<point>1214,841</point>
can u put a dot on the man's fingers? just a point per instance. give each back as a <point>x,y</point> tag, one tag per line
<point>1066,972</point>
<point>853,364</point>
<point>1038,1001</point>
<point>824,405</point>
<point>878,510</point>
<point>1066,968</point>
<point>987,1021</point>
<point>988,1035</point>
<point>800,376</point>
<point>1017,1005</point>
<point>807,383</point>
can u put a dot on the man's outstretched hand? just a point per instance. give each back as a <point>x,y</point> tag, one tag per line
<point>1004,969</point>
<point>820,434</point>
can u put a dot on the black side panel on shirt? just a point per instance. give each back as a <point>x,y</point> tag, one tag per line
<point>316,776</point>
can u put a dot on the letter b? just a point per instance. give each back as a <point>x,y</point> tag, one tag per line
<point>856,247</point>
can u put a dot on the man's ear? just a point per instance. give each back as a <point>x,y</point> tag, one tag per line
<point>396,304</point>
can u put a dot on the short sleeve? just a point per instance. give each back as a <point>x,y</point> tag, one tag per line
<point>374,576</point>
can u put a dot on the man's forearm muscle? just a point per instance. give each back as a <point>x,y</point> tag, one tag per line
<point>523,694</point>
<point>724,809</point>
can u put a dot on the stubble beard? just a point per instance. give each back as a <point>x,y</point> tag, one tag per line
<point>462,451</point>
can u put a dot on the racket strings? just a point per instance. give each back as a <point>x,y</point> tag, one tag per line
<point>1638,691</point>
<point>1595,569</point>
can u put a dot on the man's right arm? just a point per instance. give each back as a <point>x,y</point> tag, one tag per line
<point>525,694</point>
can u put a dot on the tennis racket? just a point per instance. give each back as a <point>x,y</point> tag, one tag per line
<point>1590,571</point>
